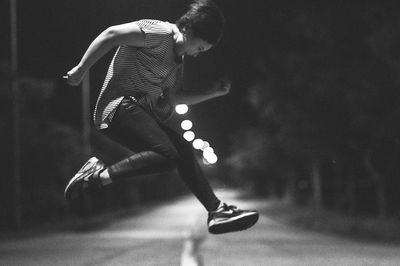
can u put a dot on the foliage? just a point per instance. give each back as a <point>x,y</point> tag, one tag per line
<point>325,93</point>
<point>51,153</point>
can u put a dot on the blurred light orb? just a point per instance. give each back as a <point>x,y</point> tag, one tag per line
<point>208,151</point>
<point>206,144</point>
<point>186,124</point>
<point>212,158</point>
<point>189,135</point>
<point>181,109</point>
<point>198,144</point>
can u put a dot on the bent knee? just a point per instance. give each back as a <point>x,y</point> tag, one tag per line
<point>175,158</point>
<point>170,164</point>
<point>172,161</point>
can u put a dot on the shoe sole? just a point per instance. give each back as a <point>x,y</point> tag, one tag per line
<point>240,224</point>
<point>69,192</point>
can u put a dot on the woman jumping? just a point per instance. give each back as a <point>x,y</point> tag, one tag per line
<point>143,84</point>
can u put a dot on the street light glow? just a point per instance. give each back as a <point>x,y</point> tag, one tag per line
<point>189,135</point>
<point>208,151</point>
<point>206,144</point>
<point>198,144</point>
<point>209,155</point>
<point>205,161</point>
<point>211,158</point>
<point>186,124</point>
<point>181,109</point>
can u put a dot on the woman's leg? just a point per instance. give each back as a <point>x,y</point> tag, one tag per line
<point>135,129</point>
<point>191,172</point>
<point>159,149</point>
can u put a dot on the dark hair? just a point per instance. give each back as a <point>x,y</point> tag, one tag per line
<point>204,20</point>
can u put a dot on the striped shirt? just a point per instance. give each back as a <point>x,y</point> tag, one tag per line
<point>146,74</point>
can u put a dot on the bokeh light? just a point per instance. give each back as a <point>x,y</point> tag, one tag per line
<point>189,135</point>
<point>186,124</point>
<point>211,158</point>
<point>208,151</point>
<point>198,144</point>
<point>205,161</point>
<point>181,109</point>
<point>206,144</point>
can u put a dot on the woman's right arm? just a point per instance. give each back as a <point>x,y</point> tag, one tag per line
<point>124,34</point>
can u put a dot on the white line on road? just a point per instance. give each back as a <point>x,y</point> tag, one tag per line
<point>196,235</point>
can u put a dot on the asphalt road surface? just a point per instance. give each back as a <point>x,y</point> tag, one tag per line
<point>175,233</point>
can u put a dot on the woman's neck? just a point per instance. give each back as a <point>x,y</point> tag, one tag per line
<point>179,41</point>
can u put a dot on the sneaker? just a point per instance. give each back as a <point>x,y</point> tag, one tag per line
<point>230,219</point>
<point>87,176</point>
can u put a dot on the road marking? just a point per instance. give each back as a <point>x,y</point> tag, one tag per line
<point>196,235</point>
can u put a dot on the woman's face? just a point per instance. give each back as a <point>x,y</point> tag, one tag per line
<point>192,46</point>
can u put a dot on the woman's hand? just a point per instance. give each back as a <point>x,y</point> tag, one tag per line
<point>222,86</point>
<point>75,76</point>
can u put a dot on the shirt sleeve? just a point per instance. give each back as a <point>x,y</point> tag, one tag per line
<point>155,32</point>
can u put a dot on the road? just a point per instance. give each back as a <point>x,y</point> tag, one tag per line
<point>175,234</point>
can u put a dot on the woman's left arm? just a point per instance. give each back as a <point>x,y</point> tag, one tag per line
<point>219,88</point>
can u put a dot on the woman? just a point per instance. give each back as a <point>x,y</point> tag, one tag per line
<point>143,84</point>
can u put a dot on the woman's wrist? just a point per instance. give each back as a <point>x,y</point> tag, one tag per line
<point>80,69</point>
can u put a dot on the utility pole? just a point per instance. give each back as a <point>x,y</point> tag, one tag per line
<point>16,182</point>
<point>86,114</point>
<point>87,201</point>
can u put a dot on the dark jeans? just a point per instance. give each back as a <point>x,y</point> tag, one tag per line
<point>157,148</point>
